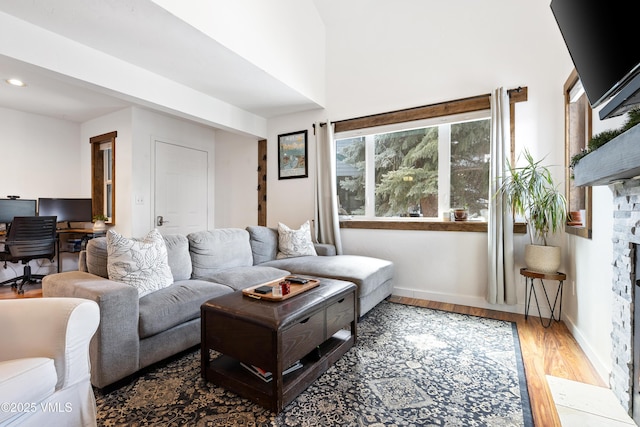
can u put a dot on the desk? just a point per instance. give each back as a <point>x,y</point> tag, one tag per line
<point>84,234</point>
<point>530,276</point>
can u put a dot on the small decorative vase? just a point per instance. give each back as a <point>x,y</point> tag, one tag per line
<point>460,214</point>
<point>99,225</point>
<point>575,218</point>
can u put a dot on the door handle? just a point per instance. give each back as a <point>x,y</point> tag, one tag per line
<point>160,221</point>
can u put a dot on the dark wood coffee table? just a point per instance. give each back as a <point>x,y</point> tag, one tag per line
<point>316,327</point>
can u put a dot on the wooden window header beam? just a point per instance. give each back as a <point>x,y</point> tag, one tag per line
<point>459,106</point>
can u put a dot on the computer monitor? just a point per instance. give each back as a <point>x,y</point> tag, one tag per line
<point>16,207</point>
<point>67,210</point>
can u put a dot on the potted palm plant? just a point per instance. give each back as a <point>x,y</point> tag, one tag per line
<point>532,194</point>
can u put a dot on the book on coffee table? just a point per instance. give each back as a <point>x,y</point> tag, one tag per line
<point>267,376</point>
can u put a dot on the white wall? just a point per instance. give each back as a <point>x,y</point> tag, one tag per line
<point>236,194</point>
<point>291,201</point>
<point>41,157</point>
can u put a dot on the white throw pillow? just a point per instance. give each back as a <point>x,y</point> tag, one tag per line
<point>141,263</point>
<point>292,243</point>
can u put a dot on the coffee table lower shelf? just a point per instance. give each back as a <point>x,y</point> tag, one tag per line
<point>276,394</point>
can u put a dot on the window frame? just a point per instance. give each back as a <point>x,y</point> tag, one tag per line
<point>449,108</point>
<point>569,143</point>
<point>103,174</point>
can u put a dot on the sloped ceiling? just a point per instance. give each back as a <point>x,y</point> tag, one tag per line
<point>142,34</point>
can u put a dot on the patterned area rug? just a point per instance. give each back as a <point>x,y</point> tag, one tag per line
<point>411,366</point>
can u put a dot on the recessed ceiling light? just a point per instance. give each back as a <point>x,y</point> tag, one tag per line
<point>16,82</point>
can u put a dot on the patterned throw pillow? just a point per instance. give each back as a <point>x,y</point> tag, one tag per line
<point>292,243</point>
<point>141,263</point>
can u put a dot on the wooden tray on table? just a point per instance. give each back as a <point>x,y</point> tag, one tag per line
<point>296,288</point>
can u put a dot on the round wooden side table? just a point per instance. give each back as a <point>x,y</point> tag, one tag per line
<point>529,288</point>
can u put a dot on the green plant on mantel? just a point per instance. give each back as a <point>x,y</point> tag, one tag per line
<point>600,139</point>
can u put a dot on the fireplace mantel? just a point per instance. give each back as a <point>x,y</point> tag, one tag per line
<point>618,159</point>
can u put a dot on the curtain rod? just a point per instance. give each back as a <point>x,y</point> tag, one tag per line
<point>321,124</point>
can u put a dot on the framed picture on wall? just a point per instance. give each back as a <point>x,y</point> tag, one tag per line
<point>292,155</point>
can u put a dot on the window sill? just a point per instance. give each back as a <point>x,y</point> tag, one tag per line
<point>578,231</point>
<point>424,225</point>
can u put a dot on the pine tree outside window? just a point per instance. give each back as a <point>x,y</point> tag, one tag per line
<point>416,169</point>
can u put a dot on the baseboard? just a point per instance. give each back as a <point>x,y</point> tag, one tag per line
<point>470,301</point>
<point>602,370</point>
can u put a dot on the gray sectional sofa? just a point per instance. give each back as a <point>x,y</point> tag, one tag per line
<point>137,332</point>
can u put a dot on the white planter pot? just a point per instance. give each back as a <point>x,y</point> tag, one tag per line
<point>99,226</point>
<point>544,259</point>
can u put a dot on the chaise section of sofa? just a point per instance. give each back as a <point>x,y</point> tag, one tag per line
<point>372,276</point>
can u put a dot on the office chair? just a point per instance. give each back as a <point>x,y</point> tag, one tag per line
<point>28,238</point>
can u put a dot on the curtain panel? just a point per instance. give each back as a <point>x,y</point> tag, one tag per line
<point>501,280</point>
<point>327,224</point>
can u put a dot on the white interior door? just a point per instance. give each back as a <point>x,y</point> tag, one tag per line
<point>181,192</point>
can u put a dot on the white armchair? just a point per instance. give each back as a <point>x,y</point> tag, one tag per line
<point>44,362</point>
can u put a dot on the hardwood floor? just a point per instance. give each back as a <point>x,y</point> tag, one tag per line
<point>30,291</point>
<point>551,351</point>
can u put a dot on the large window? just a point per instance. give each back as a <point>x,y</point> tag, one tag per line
<point>419,168</point>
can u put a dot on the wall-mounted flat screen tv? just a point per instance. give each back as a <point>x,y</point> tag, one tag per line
<point>67,210</point>
<point>600,38</point>
<point>16,207</point>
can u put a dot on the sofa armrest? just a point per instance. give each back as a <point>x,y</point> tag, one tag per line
<point>115,348</point>
<point>325,249</point>
<point>82,261</point>
<point>57,328</point>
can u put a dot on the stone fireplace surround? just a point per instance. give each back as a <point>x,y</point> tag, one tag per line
<point>626,235</point>
<point>617,164</point>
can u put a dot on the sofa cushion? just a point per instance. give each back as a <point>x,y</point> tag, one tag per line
<point>176,304</point>
<point>96,257</point>
<point>178,256</point>
<point>243,277</point>
<point>141,263</point>
<point>366,272</point>
<point>294,243</point>
<point>325,249</point>
<point>215,250</point>
<point>26,382</point>
<point>264,243</point>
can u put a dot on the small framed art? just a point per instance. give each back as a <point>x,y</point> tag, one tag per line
<point>292,155</point>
